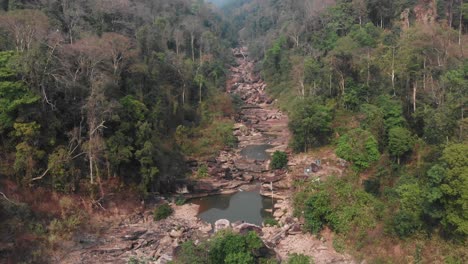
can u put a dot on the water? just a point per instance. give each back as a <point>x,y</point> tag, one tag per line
<point>247,206</point>
<point>256,152</point>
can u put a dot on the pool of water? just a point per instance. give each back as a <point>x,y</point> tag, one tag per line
<point>256,152</point>
<point>247,206</point>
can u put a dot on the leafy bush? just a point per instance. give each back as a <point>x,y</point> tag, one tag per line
<point>405,224</point>
<point>162,212</point>
<point>270,221</point>
<point>360,147</point>
<point>279,160</point>
<point>224,247</point>
<point>338,204</point>
<point>180,201</point>
<point>318,208</point>
<point>299,259</point>
<point>202,171</point>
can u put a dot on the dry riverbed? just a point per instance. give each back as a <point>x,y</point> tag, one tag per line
<point>259,123</point>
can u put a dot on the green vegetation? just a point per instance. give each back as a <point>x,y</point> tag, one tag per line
<point>322,205</point>
<point>299,259</point>
<point>270,221</point>
<point>279,160</point>
<point>162,212</point>
<point>360,147</point>
<point>84,100</point>
<point>310,124</point>
<point>224,247</point>
<point>366,78</point>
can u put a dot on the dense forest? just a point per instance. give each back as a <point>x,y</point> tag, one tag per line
<point>96,89</point>
<point>100,96</point>
<point>385,83</point>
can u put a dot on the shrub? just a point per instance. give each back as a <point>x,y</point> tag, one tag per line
<point>405,224</point>
<point>224,247</point>
<point>279,160</point>
<point>360,147</point>
<point>162,212</point>
<point>270,221</point>
<point>202,171</point>
<point>299,259</point>
<point>180,201</point>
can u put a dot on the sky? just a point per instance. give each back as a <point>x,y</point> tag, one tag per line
<point>219,2</point>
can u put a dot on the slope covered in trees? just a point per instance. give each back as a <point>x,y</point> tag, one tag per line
<point>385,84</point>
<point>95,89</point>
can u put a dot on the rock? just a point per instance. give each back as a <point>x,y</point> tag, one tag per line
<point>164,259</point>
<point>134,235</point>
<point>206,228</point>
<point>278,213</point>
<point>246,228</point>
<point>222,224</point>
<point>176,233</point>
<point>248,178</point>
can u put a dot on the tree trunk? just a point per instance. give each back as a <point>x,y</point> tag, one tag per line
<point>200,91</point>
<point>393,71</point>
<point>368,67</point>
<point>192,40</point>
<point>460,26</point>
<point>415,89</point>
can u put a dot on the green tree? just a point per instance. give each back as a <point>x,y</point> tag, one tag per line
<point>279,160</point>
<point>400,142</point>
<point>15,97</point>
<point>310,124</point>
<point>360,147</point>
<point>454,189</point>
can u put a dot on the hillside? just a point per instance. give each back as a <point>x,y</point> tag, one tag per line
<point>112,110</point>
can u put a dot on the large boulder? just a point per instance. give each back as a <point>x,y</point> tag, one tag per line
<point>222,224</point>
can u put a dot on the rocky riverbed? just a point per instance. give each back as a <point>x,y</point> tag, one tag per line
<point>259,127</point>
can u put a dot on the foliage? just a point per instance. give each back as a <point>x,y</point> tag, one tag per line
<point>400,141</point>
<point>405,223</point>
<point>162,212</point>
<point>454,189</point>
<point>270,221</point>
<point>279,160</point>
<point>310,124</point>
<point>224,247</point>
<point>202,171</point>
<point>359,147</point>
<point>324,206</point>
<point>299,259</point>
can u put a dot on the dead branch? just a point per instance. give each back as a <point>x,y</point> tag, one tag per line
<point>99,126</point>
<point>6,198</point>
<point>42,176</point>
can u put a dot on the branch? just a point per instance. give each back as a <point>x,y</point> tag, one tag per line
<point>42,176</point>
<point>6,198</point>
<point>99,126</point>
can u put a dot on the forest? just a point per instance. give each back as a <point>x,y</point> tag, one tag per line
<point>114,96</point>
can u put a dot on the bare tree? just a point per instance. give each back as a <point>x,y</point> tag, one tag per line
<point>27,27</point>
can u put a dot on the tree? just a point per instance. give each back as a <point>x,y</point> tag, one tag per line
<point>455,193</point>
<point>15,97</point>
<point>26,27</point>
<point>360,147</point>
<point>400,142</point>
<point>310,124</point>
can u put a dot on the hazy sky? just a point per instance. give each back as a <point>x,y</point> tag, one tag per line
<point>219,2</point>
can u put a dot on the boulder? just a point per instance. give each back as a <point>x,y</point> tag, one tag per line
<point>222,224</point>
<point>176,233</point>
